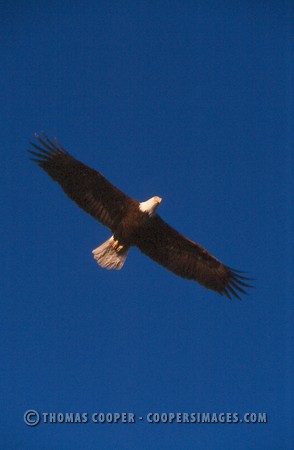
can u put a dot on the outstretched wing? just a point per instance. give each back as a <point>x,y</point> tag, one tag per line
<point>85,186</point>
<point>189,260</point>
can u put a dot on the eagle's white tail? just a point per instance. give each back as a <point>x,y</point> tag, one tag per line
<point>109,257</point>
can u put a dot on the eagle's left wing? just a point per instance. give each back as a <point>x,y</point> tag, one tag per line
<point>188,259</point>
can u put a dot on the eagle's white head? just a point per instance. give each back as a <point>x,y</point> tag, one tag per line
<point>151,205</point>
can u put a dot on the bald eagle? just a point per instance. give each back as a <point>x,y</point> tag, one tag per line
<point>134,223</point>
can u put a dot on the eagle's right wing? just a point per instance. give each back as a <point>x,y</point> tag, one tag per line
<point>90,190</point>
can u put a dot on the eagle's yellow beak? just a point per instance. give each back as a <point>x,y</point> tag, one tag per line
<point>159,199</point>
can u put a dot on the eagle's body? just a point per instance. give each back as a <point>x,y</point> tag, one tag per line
<point>134,224</point>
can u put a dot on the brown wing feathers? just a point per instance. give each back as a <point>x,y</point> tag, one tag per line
<point>85,186</point>
<point>103,201</point>
<point>189,260</point>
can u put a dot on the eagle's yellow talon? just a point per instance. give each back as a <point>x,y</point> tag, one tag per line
<point>115,245</point>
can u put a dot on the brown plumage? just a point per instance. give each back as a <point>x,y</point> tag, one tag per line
<point>134,224</point>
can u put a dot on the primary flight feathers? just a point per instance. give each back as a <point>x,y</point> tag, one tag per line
<point>133,224</point>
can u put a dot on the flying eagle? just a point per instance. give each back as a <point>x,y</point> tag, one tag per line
<point>134,223</point>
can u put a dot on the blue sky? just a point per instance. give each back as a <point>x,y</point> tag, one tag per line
<point>187,100</point>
